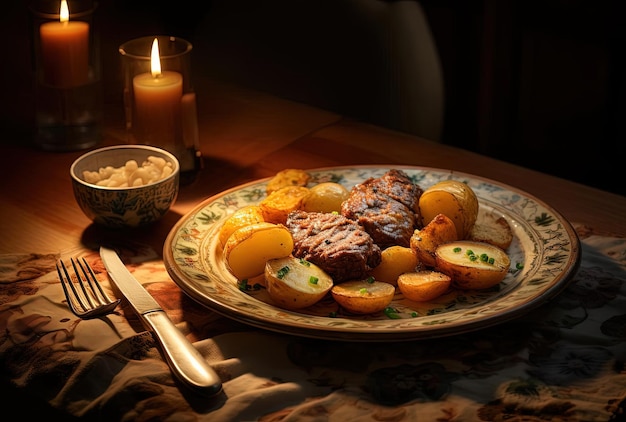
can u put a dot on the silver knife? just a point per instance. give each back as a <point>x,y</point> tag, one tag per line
<point>185,361</point>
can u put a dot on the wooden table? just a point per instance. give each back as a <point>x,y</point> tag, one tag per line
<point>248,135</point>
<point>244,136</point>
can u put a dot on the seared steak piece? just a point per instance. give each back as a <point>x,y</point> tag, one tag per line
<point>387,207</point>
<point>334,243</point>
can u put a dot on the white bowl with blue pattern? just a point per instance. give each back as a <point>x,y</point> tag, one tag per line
<point>123,207</point>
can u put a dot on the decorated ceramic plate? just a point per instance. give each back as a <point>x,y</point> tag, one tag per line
<point>545,253</point>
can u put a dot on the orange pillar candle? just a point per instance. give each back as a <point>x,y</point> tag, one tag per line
<point>65,51</point>
<point>157,101</point>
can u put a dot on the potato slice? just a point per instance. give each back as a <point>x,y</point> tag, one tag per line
<point>493,229</point>
<point>423,286</point>
<point>278,204</point>
<point>472,265</point>
<point>250,247</point>
<point>287,177</point>
<point>294,283</point>
<point>244,216</point>
<point>395,260</point>
<point>363,296</point>
<point>325,197</point>
<point>454,199</point>
<point>441,229</point>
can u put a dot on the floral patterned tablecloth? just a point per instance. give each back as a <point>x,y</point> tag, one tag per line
<point>564,361</point>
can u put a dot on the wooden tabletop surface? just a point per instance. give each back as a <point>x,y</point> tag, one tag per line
<point>247,135</point>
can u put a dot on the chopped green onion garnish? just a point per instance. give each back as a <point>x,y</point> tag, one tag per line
<point>282,272</point>
<point>363,290</point>
<point>391,313</point>
<point>243,285</point>
<point>313,279</point>
<point>370,279</point>
<point>456,250</point>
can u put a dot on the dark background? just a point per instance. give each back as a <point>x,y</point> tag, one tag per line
<point>540,83</point>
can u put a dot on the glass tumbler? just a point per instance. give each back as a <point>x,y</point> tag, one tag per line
<point>159,100</point>
<point>67,75</point>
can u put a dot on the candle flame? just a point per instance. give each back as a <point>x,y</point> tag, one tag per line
<point>64,12</point>
<point>155,61</point>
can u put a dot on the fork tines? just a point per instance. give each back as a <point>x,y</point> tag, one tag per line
<point>88,300</point>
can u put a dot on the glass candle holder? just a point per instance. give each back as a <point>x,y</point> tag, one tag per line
<point>67,75</point>
<point>159,100</point>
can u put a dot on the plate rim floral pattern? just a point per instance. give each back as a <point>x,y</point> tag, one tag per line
<point>544,240</point>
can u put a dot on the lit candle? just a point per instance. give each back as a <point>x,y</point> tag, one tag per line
<point>65,51</point>
<point>157,101</point>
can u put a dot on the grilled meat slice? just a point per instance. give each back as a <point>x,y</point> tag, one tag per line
<point>334,243</point>
<point>387,207</point>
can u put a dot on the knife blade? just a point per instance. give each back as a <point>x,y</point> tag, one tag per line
<point>185,361</point>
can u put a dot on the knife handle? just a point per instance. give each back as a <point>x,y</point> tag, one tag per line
<point>185,361</point>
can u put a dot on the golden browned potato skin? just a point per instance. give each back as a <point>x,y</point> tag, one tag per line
<point>287,177</point>
<point>395,260</point>
<point>244,216</point>
<point>424,285</point>
<point>278,204</point>
<point>441,229</point>
<point>363,296</point>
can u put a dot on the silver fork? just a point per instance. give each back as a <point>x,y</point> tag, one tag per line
<point>90,301</point>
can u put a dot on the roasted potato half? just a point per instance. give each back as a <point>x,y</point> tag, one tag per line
<point>325,197</point>
<point>250,247</point>
<point>395,260</point>
<point>472,265</point>
<point>244,216</point>
<point>363,296</point>
<point>441,229</point>
<point>294,283</point>
<point>423,286</point>
<point>287,177</point>
<point>454,199</point>
<point>278,204</point>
